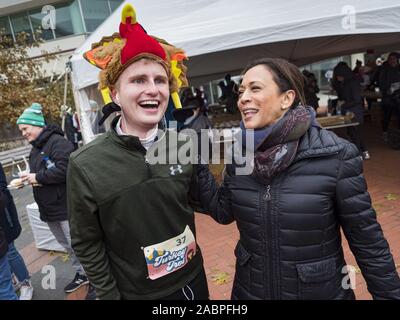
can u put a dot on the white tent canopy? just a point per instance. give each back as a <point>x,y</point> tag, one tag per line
<point>221,36</point>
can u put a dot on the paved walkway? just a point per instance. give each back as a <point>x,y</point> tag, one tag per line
<point>218,241</point>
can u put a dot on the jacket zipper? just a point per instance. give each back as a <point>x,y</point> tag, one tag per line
<point>266,199</point>
<point>270,245</point>
<point>147,165</point>
<point>274,252</point>
<point>268,194</point>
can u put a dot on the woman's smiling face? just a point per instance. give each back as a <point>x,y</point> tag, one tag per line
<point>260,101</point>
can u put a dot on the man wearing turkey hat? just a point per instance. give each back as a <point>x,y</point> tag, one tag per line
<point>132,222</point>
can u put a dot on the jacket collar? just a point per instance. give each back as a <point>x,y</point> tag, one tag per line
<point>45,135</point>
<point>317,142</point>
<point>128,141</point>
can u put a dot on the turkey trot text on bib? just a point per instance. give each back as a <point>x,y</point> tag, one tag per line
<point>168,256</point>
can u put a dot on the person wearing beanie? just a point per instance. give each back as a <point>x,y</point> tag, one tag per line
<point>33,116</point>
<point>32,121</point>
<point>48,162</point>
<point>348,89</point>
<point>132,218</point>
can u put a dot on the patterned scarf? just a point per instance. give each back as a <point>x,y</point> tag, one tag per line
<point>276,151</point>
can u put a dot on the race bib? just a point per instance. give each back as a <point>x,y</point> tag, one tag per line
<point>171,255</point>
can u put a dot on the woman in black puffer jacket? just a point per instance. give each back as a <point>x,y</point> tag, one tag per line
<point>307,183</point>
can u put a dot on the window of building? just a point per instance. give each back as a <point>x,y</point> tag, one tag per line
<point>114,4</point>
<point>20,23</point>
<point>323,70</point>
<point>95,12</point>
<point>68,19</point>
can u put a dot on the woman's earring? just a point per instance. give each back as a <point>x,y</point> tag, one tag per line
<point>283,107</point>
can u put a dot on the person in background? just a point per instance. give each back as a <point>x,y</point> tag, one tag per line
<point>95,116</point>
<point>389,85</point>
<point>69,128</point>
<point>350,100</point>
<point>358,66</point>
<point>192,114</point>
<point>231,94</point>
<point>222,98</point>
<point>10,224</point>
<point>48,163</point>
<point>204,97</point>
<point>7,291</point>
<point>311,89</point>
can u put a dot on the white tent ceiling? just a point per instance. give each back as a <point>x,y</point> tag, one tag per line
<point>221,36</point>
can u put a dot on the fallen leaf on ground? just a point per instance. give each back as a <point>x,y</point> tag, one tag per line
<point>65,257</point>
<point>353,269</point>
<point>220,277</point>
<point>391,196</point>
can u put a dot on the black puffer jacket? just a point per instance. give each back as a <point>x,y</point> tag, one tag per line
<point>51,196</point>
<point>3,239</point>
<point>350,92</point>
<point>290,243</point>
<point>9,221</point>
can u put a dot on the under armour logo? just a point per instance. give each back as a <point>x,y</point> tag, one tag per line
<point>175,170</point>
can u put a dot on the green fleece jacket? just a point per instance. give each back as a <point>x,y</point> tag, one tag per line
<point>119,204</point>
